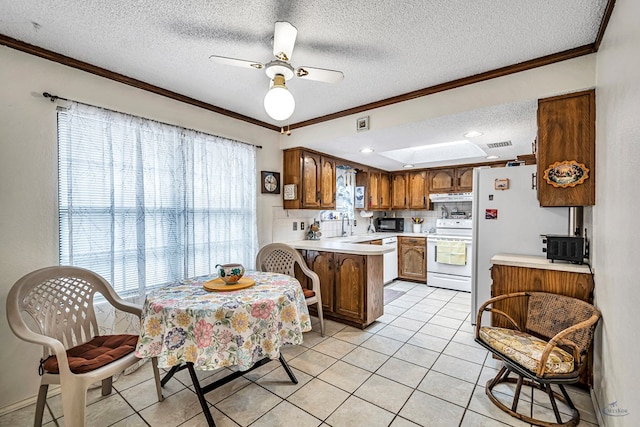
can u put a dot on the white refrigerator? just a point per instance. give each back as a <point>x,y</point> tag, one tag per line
<point>507,218</point>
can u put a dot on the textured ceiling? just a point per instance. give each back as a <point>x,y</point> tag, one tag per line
<point>384,48</point>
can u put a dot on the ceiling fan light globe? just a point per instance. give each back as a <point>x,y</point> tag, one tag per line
<point>279,103</point>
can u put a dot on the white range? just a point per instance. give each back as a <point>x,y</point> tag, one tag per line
<point>449,254</point>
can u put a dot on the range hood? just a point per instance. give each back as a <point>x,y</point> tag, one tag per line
<point>451,197</point>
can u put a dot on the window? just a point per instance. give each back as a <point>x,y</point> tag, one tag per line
<point>144,203</point>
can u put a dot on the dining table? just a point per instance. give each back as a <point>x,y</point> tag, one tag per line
<point>187,326</point>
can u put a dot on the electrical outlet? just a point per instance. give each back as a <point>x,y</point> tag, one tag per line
<point>295,225</point>
<point>302,225</point>
<point>355,223</point>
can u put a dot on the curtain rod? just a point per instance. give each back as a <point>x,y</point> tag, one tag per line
<point>54,98</point>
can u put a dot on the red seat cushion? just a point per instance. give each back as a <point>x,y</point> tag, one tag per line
<point>98,352</point>
<point>308,293</point>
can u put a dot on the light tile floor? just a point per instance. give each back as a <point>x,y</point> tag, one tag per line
<point>417,366</point>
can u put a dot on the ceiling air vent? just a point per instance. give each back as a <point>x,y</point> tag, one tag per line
<point>499,144</point>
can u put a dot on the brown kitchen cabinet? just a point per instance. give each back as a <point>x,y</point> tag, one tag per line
<point>451,180</point>
<point>351,286</point>
<point>323,265</point>
<point>314,176</point>
<point>418,190</point>
<point>399,190</point>
<point>441,180</point>
<point>566,132</point>
<point>412,258</point>
<point>509,278</point>
<point>379,190</point>
<point>464,180</point>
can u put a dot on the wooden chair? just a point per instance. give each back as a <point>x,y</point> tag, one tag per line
<point>281,258</point>
<point>53,307</point>
<point>550,349</point>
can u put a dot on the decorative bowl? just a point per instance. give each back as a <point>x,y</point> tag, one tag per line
<point>230,273</point>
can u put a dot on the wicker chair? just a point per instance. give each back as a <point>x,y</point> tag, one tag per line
<point>281,258</point>
<point>53,307</point>
<point>551,349</point>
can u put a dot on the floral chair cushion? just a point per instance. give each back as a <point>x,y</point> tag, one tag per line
<point>526,350</point>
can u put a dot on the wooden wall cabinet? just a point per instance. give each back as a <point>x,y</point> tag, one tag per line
<point>464,180</point>
<point>442,180</point>
<point>315,178</point>
<point>451,180</point>
<point>412,258</point>
<point>418,190</point>
<point>399,191</point>
<point>507,279</point>
<point>379,190</point>
<point>351,286</point>
<point>566,132</point>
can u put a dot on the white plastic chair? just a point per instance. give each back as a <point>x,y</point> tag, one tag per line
<point>281,258</point>
<point>53,307</point>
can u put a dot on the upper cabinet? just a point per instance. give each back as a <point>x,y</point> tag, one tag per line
<point>464,179</point>
<point>566,150</point>
<point>399,190</point>
<point>418,190</point>
<point>441,180</point>
<point>451,180</point>
<point>379,189</point>
<point>315,178</point>
<point>327,182</point>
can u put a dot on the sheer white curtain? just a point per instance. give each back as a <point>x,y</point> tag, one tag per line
<point>144,203</point>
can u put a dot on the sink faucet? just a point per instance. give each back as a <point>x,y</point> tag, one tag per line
<point>344,233</point>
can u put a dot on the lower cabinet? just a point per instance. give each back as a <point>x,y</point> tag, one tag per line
<point>412,262</point>
<point>351,286</point>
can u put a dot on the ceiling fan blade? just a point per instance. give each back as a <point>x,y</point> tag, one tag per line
<point>284,38</point>
<point>223,60</point>
<point>319,74</point>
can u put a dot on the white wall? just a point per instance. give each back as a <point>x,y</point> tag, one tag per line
<point>28,177</point>
<point>616,239</point>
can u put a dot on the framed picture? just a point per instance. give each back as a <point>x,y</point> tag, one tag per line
<point>362,124</point>
<point>501,184</point>
<point>270,182</point>
<point>359,197</point>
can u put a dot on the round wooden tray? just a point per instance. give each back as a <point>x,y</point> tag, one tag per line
<point>219,285</point>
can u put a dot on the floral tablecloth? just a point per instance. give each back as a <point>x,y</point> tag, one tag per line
<point>183,322</point>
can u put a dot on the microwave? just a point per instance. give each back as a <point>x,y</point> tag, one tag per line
<point>390,224</point>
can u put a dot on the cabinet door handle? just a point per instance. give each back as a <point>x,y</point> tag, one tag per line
<point>318,196</point>
<point>424,200</point>
<point>533,181</point>
<point>458,184</point>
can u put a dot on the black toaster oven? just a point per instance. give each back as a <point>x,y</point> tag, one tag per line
<point>565,248</point>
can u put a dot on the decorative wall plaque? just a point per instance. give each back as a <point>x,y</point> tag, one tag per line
<point>568,173</point>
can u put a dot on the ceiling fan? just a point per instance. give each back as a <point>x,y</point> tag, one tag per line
<point>279,102</point>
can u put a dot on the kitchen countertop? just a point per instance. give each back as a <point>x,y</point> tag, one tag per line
<point>536,261</point>
<point>351,244</point>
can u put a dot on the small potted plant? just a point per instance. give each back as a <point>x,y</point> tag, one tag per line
<point>417,223</point>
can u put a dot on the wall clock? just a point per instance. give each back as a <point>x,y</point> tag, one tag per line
<point>270,182</point>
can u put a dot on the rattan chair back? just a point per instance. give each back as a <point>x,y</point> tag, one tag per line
<point>548,314</point>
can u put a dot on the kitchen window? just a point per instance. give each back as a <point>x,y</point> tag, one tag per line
<point>143,203</point>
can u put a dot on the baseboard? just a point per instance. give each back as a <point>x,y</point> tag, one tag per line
<point>54,390</point>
